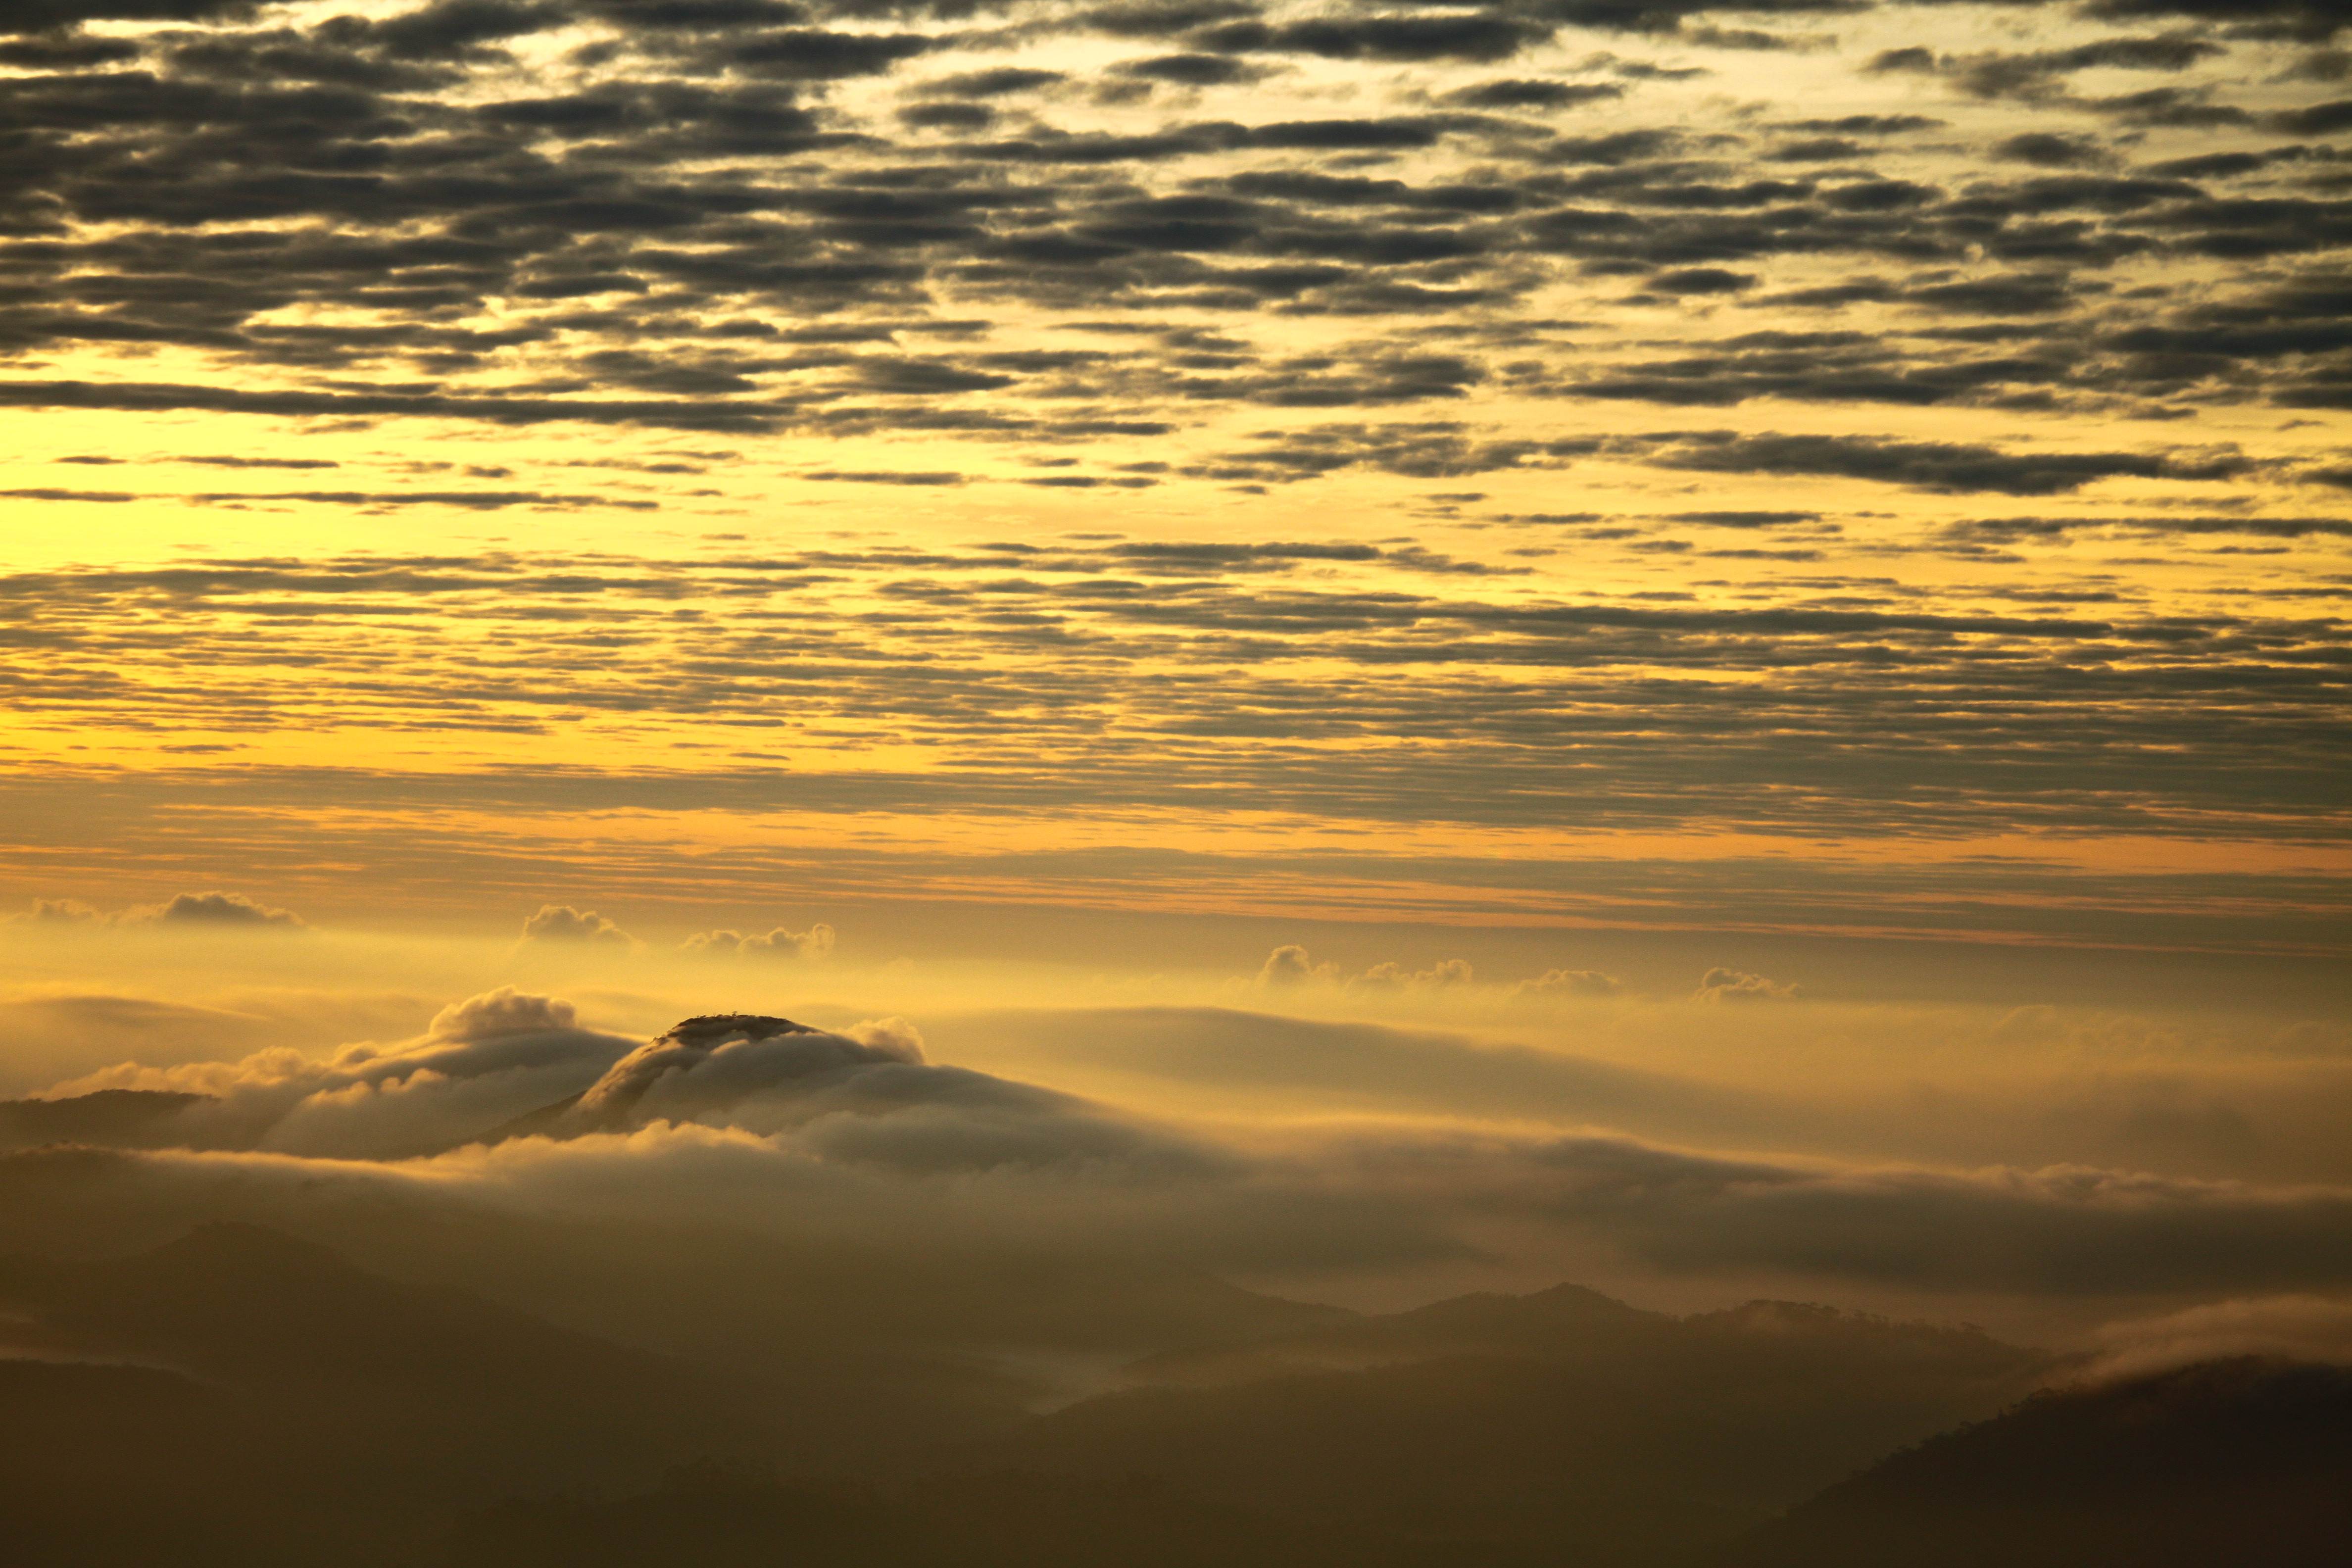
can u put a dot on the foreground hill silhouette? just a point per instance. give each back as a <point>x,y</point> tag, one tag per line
<point>2241,1461</point>
<point>708,1519</point>
<point>1520,1428</point>
<point>275,1390</point>
<point>240,1396</point>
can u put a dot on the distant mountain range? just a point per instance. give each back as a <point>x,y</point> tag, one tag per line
<point>1521,1428</point>
<point>118,1118</point>
<point>239,1397</point>
<point>245,1397</point>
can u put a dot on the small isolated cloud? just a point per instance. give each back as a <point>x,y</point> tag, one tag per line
<point>61,912</point>
<point>1738,985</point>
<point>2294,1328</point>
<point>1290,965</point>
<point>1571,983</point>
<point>563,924</point>
<point>1445,974</point>
<point>817,941</point>
<point>230,909</point>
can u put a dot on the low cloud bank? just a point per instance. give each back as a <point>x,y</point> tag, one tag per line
<point>1291,967</point>
<point>509,1065</point>
<point>762,1121</point>
<point>214,910</point>
<point>2307,1328</point>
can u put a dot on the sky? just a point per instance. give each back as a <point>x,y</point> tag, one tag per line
<point>1377,649</point>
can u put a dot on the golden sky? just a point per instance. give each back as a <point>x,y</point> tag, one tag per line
<point>902,702</point>
<point>1830,466</point>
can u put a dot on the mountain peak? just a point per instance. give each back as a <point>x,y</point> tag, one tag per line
<point>710,1027</point>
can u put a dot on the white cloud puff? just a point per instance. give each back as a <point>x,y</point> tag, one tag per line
<point>480,1062</point>
<point>817,941</point>
<point>1290,964</point>
<point>563,923</point>
<point>1721,985</point>
<point>504,1010</point>
<point>709,1065</point>
<point>1445,974</point>
<point>1571,983</point>
<point>212,909</point>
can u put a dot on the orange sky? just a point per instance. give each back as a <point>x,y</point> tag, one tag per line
<point>1838,469</point>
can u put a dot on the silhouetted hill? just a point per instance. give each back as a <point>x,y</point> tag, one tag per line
<point>931,1339</point>
<point>1567,1321</point>
<point>273,1405</point>
<point>2243,1461</point>
<point>1524,1427</point>
<point>346,1390</point>
<point>106,1464</point>
<point>701,1520</point>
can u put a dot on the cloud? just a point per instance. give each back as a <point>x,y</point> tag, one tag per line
<point>480,1062</point>
<point>220,910</point>
<point>1290,964</point>
<point>799,1133</point>
<point>715,218</point>
<point>2055,1231</point>
<point>1519,92</point>
<point>1947,467</point>
<point>708,1066</point>
<point>1571,983</point>
<point>2301,1328</point>
<point>2046,150</point>
<point>2039,76</point>
<point>61,911</point>
<point>509,1067</point>
<point>1190,70</point>
<point>505,1011</point>
<point>2307,19</point>
<point>1483,37</point>
<point>45,16</point>
<point>817,941</point>
<point>1738,985</point>
<point>563,924</point>
<point>1446,974</point>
